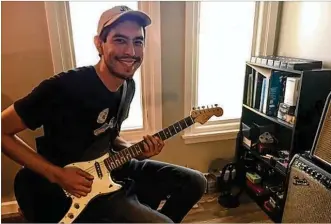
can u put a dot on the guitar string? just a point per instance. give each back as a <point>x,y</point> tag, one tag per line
<point>102,162</point>
<point>92,167</point>
<point>89,169</point>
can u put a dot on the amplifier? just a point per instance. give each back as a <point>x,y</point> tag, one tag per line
<point>308,196</point>
<point>321,149</point>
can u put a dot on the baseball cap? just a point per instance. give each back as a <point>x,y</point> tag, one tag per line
<point>113,14</point>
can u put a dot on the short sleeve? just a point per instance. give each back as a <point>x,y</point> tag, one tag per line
<point>35,108</point>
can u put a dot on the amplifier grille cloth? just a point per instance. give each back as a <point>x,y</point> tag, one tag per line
<point>307,203</point>
<point>323,146</point>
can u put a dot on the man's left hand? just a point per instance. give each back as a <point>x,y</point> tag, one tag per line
<point>152,146</point>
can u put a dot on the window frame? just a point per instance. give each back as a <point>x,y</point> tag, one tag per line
<point>62,50</point>
<point>264,41</point>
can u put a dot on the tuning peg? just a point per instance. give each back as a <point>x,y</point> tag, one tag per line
<point>216,105</point>
<point>203,107</point>
<point>207,107</point>
<point>198,108</point>
<point>193,108</point>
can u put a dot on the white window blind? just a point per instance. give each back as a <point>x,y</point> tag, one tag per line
<point>224,44</point>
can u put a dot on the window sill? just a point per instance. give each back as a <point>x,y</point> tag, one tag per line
<point>210,136</point>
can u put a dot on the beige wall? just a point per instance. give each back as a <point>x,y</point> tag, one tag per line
<point>306,31</point>
<point>26,60</point>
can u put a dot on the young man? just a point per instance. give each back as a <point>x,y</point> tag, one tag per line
<point>76,109</point>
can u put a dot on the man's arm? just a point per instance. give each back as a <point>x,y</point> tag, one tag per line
<point>120,143</point>
<point>19,151</point>
<point>75,181</point>
<point>31,112</point>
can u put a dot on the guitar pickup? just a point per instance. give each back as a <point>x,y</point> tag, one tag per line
<point>98,169</point>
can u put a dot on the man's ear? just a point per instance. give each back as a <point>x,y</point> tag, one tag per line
<point>98,44</point>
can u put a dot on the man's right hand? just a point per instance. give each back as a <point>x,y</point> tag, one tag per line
<point>75,181</point>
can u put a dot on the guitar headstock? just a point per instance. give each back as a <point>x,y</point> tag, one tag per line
<point>203,114</point>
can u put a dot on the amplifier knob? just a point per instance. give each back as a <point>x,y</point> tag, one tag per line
<point>324,179</point>
<point>318,176</point>
<point>328,183</point>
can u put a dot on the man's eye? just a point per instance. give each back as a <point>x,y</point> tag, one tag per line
<point>120,41</point>
<point>139,43</point>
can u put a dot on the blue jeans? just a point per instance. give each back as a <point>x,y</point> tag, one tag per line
<point>147,183</point>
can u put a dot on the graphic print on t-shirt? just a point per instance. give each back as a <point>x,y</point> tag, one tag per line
<point>101,119</point>
<point>103,116</point>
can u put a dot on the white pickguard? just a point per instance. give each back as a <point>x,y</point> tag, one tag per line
<point>100,186</point>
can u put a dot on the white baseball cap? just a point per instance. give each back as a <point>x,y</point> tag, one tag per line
<point>111,15</point>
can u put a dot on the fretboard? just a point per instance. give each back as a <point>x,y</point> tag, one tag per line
<point>125,155</point>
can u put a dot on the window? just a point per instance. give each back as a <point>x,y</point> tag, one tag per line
<point>220,38</point>
<point>72,26</point>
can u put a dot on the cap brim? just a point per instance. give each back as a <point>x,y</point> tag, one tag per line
<point>143,19</point>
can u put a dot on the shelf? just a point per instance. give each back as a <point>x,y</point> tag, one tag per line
<point>257,155</point>
<point>273,119</point>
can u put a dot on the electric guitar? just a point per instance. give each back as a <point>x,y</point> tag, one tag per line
<point>101,168</point>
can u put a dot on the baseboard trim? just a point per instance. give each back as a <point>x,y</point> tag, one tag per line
<point>9,207</point>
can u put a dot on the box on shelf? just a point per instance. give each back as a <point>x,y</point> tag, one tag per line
<point>286,113</point>
<point>287,62</point>
<point>253,177</point>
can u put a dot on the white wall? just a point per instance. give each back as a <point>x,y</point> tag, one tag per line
<point>306,31</point>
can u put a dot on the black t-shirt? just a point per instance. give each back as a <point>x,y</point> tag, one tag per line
<point>75,108</point>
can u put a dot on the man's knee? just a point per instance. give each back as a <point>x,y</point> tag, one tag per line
<point>198,182</point>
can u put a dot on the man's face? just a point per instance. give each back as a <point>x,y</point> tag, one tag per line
<point>123,50</point>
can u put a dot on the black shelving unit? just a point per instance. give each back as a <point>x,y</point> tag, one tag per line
<point>314,87</point>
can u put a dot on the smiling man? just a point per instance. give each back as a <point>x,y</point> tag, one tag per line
<point>81,107</point>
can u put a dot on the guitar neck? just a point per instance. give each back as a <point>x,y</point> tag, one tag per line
<point>136,150</point>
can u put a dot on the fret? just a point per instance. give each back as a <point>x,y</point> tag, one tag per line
<point>138,148</point>
<point>122,157</point>
<point>167,132</point>
<point>172,130</point>
<point>128,155</point>
<point>134,151</point>
<point>131,151</point>
<point>182,124</point>
<point>177,127</point>
<point>189,121</point>
<point>161,133</point>
<point>117,161</point>
<point>192,120</point>
<point>185,122</point>
<point>157,135</point>
<point>107,164</point>
<point>112,162</point>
